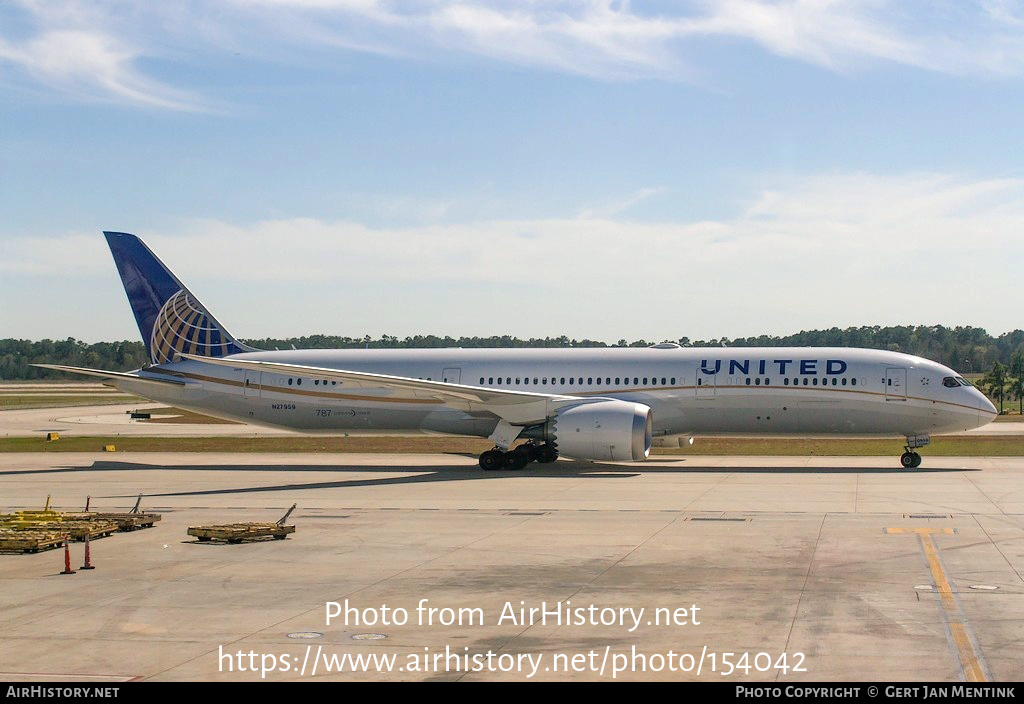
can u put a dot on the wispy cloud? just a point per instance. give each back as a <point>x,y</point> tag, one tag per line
<point>91,65</point>
<point>613,39</point>
<point>621,205</point>
<point>97,49</point>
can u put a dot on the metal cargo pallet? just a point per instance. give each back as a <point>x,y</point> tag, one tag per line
<point>31,518</point>
<point>28,519</point>
<point>78,530</point>
<point>29,540</point>
<point>237,532</point>
<point>129,521</point>
<point>125,521</point>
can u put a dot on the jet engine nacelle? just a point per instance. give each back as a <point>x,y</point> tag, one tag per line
<point>619,431</point>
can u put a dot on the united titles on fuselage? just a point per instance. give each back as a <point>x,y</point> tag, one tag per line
<point>807,367</point>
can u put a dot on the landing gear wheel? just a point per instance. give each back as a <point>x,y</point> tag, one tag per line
<point>492,460</point>
<point>530,450</point>
<point>516,460</point>
<point>546,454</point>
<point>910,459</point>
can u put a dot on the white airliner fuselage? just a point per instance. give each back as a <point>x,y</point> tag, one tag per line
<point>746,391</point>
<point>588,403</point>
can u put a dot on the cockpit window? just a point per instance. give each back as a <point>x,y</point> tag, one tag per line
<point>964,382</point>
<point>950,382</point>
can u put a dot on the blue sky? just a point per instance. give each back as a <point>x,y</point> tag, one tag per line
<point>598,169</point>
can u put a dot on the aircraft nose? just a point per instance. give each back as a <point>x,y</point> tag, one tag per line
<point>986,411</point>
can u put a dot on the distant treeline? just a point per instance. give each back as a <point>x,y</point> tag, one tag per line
<point>965,349</point>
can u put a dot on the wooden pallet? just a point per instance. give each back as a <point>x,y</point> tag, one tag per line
<point>28,519</point>
<point>29,540</point>
<point>77,530</point>
<point>237,532</point>
<point>125,521</point>
<point>131,521</point>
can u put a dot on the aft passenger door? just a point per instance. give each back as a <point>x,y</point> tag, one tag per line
<point>895,384</point>
<point>251,387</point>
<point>705,385</point>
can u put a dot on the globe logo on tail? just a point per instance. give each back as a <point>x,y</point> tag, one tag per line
<point>182,326</point>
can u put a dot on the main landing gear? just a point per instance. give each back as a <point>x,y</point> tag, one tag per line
<point>519,457</point>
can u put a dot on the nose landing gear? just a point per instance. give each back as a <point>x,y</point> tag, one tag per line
<point>910,459</point>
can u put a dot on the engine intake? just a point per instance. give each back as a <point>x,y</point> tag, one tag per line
<point>619,431</point>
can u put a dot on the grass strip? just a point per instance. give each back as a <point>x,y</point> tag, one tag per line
<point>953,445</point>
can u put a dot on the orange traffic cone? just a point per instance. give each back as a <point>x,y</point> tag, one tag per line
<point>88,565</point>
<point>67,558</point>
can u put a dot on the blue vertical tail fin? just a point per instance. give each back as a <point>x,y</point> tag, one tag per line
<point>171,320</point>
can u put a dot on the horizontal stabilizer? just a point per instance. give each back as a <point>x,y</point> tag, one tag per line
<point>103,374</point>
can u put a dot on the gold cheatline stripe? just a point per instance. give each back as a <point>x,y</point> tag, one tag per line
<point>778,388</point>
<point>298,392</point>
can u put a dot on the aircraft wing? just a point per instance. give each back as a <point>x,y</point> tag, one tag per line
<point>103,374</point>
<point>516,407</point>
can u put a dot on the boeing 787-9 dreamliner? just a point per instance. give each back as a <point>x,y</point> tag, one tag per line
<point>603,404</point>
